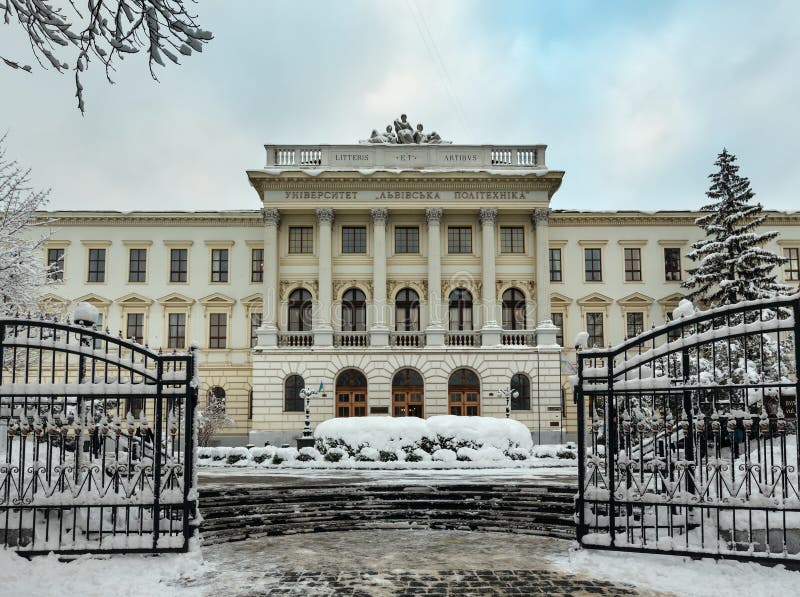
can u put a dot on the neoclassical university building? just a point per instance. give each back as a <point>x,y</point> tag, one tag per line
<point>398,279</point>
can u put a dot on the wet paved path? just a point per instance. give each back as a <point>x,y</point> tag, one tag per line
<point>395,563</point>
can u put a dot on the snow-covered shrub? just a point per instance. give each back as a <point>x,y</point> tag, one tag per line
<point>382,433</point>
<point>367,454</point>
<point>259,455</point>
<point>387,456</point>
<point>486,454</point>
<point>237,454</point>
<point>444,455</point>
<point>309,455</point>
<point>335,455</point>
<point>566,454</point>
<point>519,454</point>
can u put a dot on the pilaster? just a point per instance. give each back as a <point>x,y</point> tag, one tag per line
<point>268,332</point>
<point>379,332</point>
<point>323,330</point>
<point>541,218</point>
<point>434,333</point>
<point>491,330</point>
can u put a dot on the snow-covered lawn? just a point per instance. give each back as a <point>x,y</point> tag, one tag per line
<point>679,575</point>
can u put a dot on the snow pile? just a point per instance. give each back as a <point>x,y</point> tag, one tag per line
<point>685,308</point>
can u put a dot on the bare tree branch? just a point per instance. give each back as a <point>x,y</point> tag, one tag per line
<point>111,29</point>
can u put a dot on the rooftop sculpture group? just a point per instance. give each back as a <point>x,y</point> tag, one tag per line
<point>404,133</point>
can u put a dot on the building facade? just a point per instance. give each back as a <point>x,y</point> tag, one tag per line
<point>399,280</point>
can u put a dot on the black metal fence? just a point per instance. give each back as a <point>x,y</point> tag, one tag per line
<point>96,442</point>
<point>688,436</point>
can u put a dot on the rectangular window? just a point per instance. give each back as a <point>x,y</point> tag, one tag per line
<point>178,265</point>
<point>558,321</point>
<point>134,327</point>
<point>176,337</point>
<point>219,265</point>
<point>633,264</point>
<point>137,265</point>
<point>257,265</point>
<point>459,239</point>
<point>593,266</point>
<point>793,265</point>
<point>512,239</point>
<point>672,264</point>
<point>255,323</point>
<point>97,265</point>
<point>354,239</point>
<point>301,239</point>
<point>217,330</point>
<point>634,324</point>
<point>594,326</point>
<point>55,264</point>
<point>555,265</point>
<point>406,239</point>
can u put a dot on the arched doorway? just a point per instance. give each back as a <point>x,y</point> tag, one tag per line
<point>407,394</point>
<point>464,391</point>
<point>351,394</point>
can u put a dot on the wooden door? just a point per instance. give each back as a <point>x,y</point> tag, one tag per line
<point>465,401</point>
<point>351,402</point>
<point>408,403</point>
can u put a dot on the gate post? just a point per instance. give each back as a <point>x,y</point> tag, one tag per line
<point>159,412</point>
<point>611,448</point>
<point>189,445</point>
<point>581,449</point>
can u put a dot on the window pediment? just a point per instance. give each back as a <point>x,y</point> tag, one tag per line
<point>595,300</point>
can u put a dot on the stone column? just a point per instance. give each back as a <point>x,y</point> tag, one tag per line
<point>490,331</point>
<point>268,332</point>
<point>545,331</point>
<point>379,332</point>
<point>434,333</point>
<point>323,330</point>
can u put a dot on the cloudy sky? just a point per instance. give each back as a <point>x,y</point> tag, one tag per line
<point>634,99</point>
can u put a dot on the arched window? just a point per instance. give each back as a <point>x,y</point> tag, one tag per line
<point>354,311</point>
<point>513,309</point>
<point>406,307</point>
<point>216,395</point>
<point>292,402</point>
<point>460,310</point>
<point>463,389</point>
<point>522,385</point>
<point>300,309</point>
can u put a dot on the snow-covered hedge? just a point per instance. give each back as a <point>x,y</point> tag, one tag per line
<point>397,438</point>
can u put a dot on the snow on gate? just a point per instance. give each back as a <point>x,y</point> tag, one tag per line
<point>96,442</point>
<point>688,436</point>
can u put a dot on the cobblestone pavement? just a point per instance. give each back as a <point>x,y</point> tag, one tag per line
<point>395,563</point>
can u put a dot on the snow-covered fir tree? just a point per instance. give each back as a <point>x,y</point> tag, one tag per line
<point>733,264</point>
<point>23,273</point>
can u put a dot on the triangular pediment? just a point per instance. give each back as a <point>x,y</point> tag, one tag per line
<point>134,298</point>
<point>637,299</point>
<point>217,300</point>
<point>93,299</point>
<point>595,299</point>
<point>671,300</point>
<point>176,299</point>
<point>53,299</point>
<point>253,299</point>
<point>556,298</point>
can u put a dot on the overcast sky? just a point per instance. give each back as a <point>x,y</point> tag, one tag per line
<point>634,99</point>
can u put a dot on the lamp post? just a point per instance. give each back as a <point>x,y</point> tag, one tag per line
<point>307,439</point>
<point>508,394</point>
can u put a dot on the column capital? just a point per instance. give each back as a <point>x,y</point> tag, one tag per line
<point>487,215</point>
<point>379,215</point>
<point>433,215</point>
<point>271,215</point>
<point>540,215</point>
<point>325,214</point>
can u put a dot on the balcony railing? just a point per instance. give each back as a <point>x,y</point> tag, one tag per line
<point>407,339</point>
<point>350,339</point>
<point>368,155</point>
<point>295,339</point>
<point>518,338</point>
<point>462,338</point>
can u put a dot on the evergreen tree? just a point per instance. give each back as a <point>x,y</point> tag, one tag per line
<point>732,265</point>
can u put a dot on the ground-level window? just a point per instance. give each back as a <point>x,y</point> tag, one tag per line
<point>176,334</point>
<point>255,323</point>
<point>522,385</point>
<point>292,401</point>
<point>217,330</point>
<point>634,324</point>
<point>558,320</point>
<point>134,327</point>
<point>594,326</point>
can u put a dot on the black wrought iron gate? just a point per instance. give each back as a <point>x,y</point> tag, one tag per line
<point>688,436</point>
<point>96,442</point>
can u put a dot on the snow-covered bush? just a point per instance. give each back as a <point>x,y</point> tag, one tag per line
<point>309,455</point>
<point>237,454</point>
<point>368,454</point>
<point>260,455</point>
<point>444,455</point>
<point>335,455</point>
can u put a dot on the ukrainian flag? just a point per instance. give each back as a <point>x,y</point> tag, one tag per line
<point>319,389</point>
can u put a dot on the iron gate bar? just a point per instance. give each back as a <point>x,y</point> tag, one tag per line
<point>77,474</point>
<point>683,401</point>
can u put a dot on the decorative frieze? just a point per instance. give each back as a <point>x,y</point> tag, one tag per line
<point>528,287</point>
<point>341,286</point>
<point>419,286</point>
<point>287,286</point>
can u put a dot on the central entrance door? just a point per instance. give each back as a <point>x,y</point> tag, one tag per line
<point>408,394</point>
<point>351,394</point>
<point>464,391</point>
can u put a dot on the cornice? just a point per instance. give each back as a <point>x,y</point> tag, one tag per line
<point>406,181</point>
<point>246,219</point>
<point>685,218</point>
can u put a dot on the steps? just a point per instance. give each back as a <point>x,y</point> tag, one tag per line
<point>237,512</point>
